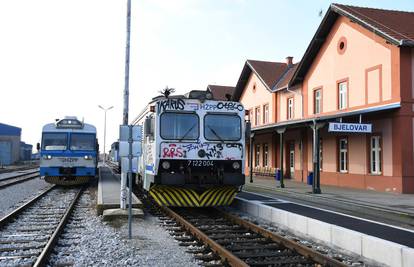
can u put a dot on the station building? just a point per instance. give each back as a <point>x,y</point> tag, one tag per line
<point>345,111</point>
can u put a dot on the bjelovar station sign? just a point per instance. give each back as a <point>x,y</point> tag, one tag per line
<point>350,127</point>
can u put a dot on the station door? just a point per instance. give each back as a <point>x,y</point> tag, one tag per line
<point>5,153</point>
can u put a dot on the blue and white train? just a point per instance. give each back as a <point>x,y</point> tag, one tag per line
<point>68,152</point>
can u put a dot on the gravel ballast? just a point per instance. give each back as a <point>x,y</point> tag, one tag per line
<point>101,243</point>
<point>15,195</point>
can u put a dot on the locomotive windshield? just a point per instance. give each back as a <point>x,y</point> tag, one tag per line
<point>54,141</point>
<point>82,142</point>
<point>222,127</point>
<point>181,126</point>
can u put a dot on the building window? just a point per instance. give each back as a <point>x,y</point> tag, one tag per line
<point>257,158</point>
<point>290,108</point>
<point>376,155</point>
<point>257,115</point>
<point>342,95</point>
<point>265,155</point>
<point>343,155</point>
<point>251,115</point>
<point>317,101</point>
<point>266,114</point>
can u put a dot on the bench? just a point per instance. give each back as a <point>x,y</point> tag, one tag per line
<point>264,171</point>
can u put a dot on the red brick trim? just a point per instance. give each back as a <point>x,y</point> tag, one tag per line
<point>377,67</point>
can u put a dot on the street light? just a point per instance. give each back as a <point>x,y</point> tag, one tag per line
<point>105,109</point>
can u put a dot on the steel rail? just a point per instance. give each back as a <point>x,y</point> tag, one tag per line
<point>15,179</point>
<point>44,255</point>
<point>6,219</point>
<point>223,253</point>
<point>301,249</point>
<point>2,171</point>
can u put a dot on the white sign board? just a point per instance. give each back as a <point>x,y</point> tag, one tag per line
<point>124,133</point>
<point>124,149</point>
<point>125,164</point>
<point>350,127</point>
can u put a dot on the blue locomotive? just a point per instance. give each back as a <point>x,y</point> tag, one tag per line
<point>68,152</point>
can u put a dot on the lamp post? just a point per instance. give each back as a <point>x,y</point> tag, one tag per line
<point>105,110</point>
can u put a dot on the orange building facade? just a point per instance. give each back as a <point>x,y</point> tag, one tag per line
<point>354,71</point>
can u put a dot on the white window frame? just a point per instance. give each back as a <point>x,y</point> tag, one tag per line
<point>257,115</point>
<point>342,95</point>
<point>290,107</point>
<point>257,158</point>
<point>343,155</point>
<point>265,155</point>
<point>266,113</point>
<point>375,155</point>
<point>317,101</point>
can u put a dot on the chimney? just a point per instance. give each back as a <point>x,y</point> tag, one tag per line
<point>289,61</point>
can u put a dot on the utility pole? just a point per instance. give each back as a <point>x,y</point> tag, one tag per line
<point>125,123</point>
<point>105,110</point>
<point>126,89</point>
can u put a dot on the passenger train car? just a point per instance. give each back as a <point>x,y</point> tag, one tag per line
<point>192,150</point>
<point>68,152</point>
<point>114,158</point>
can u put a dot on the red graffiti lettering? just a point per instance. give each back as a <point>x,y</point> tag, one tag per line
<point>172,151</point>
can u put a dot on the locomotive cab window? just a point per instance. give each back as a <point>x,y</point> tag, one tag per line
<point>222,127</point>
<point>179,126</point>
<point>54,141</point>
<point>82,142</point>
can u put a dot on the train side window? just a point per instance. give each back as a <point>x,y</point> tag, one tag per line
<point>149,126</point>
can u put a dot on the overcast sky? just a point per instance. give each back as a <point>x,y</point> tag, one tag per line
<point>66,57</point>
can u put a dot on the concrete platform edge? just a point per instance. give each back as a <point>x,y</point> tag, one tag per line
<point>369,247</point>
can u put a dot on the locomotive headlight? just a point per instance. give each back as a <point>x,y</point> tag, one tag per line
<point>88,157</point>
<point>236,165</point>
<point>47,157</point>
<point>165,165</point>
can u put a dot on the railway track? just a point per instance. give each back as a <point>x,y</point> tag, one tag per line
<point>222,239</point>
<point>113,166</point>
<point>5,182</point>
<point>29,233</point>
<point>23,168</point>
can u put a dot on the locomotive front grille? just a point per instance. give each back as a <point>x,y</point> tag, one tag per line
<point>67,171</point>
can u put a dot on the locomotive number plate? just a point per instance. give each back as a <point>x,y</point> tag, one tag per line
<point>200,163</point>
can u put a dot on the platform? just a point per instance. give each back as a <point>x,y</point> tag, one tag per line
<point>301,212</point>
<point>402,203</point>
<point>108,192</point>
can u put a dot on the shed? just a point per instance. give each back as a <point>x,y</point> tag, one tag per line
<point>9,144</point>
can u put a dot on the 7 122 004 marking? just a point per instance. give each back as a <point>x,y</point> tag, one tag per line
<point>200,163</point>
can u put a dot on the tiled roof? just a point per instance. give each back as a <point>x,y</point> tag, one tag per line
<point>269,72</point>
<point>398,25</point>
<point>285,79</point>
<point>220,91</point>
